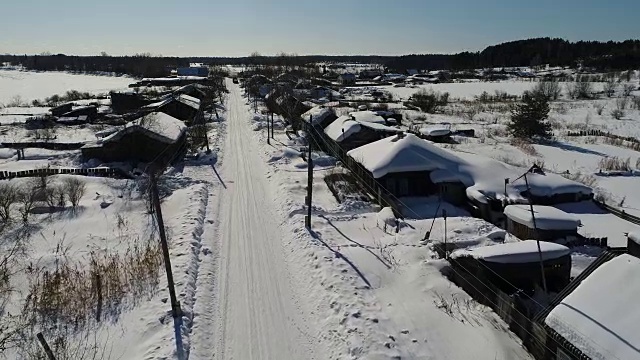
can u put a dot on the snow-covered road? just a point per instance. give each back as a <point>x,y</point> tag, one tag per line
<point>246,306</point>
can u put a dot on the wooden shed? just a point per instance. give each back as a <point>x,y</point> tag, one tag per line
<point>551,224</point>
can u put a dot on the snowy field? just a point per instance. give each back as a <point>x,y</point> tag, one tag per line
<point>31,85</point>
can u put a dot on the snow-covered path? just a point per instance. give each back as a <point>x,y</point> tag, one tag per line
<point>246,306</point>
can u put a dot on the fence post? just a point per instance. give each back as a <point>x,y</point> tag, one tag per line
<point>45,346</point>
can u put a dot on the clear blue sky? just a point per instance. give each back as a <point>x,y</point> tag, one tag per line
<point>239,27</point>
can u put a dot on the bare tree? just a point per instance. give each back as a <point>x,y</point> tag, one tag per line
<point>75,190</point>
<point>8,196</point>
<point>550,89</point>
<point>27,196</point>
<point>627,89</point>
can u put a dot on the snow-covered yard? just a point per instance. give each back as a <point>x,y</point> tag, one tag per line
<point>31,85</point>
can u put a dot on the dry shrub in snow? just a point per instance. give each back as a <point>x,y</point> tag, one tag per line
<point>525,146</point>
<point>609,87</point>
<point>550,89</point>
<point>585,179</point>
<point>614,163</point>
<point>75,189</point>
<point>627,89</point>
<point>599,108</point>
<point>621,103</point>
<point>27,196</point>
<point>428,101</point>
<point>582,88</point>
<point>636,102</point>
<point>617,114</point>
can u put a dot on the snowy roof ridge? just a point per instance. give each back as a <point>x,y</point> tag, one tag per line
<point>345,126</point>
<point>317,114</point>
<point>600,316</point>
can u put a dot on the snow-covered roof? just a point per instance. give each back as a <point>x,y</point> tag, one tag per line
<point>188,100</point>
<point>483,177</point>
<point>515,252</point>
<point>317,114</point>
<point>158,125</point>
<point>368,116</point>
<point>634,236</point>
<point>547,217</point>
<point>436,130</point>
<point>345,126</point>
<point>600,317</point>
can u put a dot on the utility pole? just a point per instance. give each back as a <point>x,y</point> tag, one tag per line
<point>175,304</point>
<point>444,216</point>
<point>309,186</point>
<point>268,132</point>
<point>45,346</point>
<point>272,132</point>
<point>535,232</point>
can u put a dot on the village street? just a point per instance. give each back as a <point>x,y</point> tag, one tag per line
<point>247,309</point>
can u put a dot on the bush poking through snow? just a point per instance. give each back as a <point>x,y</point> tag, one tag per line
<point>528,118</point>
<point>609,87</point>
<point>75,190</point>
<point>627,89</point>
<point>429,101</point>
<point>599,108</point>
<point>614,163</point>
<point>585,179</point>
<point>525,146</point>
<point>617,114</point>
<point>582,88</point>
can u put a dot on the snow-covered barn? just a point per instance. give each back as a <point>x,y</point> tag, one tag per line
<point>156,137</point>
<point>180,106</point>
<point>551,223</point>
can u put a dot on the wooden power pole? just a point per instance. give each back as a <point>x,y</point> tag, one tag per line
<point>175,304</point>
<point>309,184</point>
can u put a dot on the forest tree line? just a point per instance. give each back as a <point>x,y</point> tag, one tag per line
<point>609,55</point>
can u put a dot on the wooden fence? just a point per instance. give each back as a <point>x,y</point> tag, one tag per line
<point>617,212</point>
<point>633,143</point>
<point>42,172</point>
<point>42,145</point>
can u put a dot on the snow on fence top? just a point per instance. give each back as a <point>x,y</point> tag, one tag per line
<point>158,125</point>
<point>483,177</point>
<point>600,317</point>
<point>514,253</point>
<point>547,217</point>
<point>345,126</point>
<point>317,114</point>
<point>368,116</point>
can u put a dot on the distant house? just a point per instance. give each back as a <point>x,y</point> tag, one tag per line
<point>511,267</point>
<point>155,137</point>
<point>91,113</point>
<point>411,72</point>
<point>370,73</point>
<point>202,71</point>
<point>61,109</point>
<point>347,79</point>
<point>349,133</point>
<point>181,106</point>
<point>319,117</point>
<point>595,316</point>
<point>320,92</point>
<point>193,90</point>
<point>123,102</point>
<point>551,224</point>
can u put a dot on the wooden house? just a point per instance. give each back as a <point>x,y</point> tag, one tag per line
<point>181,106</point>
<point>155,137</point>
<point>347,79</point>
<point>193,90</point>
<point>595,316</point>
<point>61,109</point>
<point>551,224</point>
<point>127,101</point>
<point>348,133</point>
<point>511,267</point>
<point>91,113</point>
<point>401,165</point>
